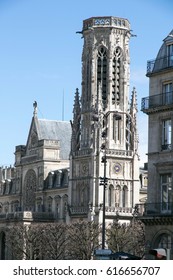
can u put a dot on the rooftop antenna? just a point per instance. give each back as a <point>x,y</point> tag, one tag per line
<point>63,106</point>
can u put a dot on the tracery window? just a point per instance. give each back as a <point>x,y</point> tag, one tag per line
<point>102,74</point>
<point>116,76</point>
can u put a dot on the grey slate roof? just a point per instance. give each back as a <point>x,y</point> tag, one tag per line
<point>162,56</point>
<point>56,130</point>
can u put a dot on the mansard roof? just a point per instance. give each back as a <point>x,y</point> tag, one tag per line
<point>56,130</point>
<point>162,56</point>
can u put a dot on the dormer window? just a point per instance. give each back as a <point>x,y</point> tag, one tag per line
<point>170,54</point>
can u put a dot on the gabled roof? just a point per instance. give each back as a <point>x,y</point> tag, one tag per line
<point>56,130</point>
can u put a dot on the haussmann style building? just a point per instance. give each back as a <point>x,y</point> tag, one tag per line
<point>158,211</point>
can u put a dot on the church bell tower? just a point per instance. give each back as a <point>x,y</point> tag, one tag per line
<point>104,147</point>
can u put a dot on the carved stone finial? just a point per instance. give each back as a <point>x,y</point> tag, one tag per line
<point>35,108</point>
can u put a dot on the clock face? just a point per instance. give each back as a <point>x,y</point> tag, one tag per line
<point>117,167</point>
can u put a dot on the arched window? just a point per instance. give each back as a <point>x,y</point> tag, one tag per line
<point>124,196</point>
<point>29,190</point>
<point>111,196</point>
<point>39,204</point>
<point>65,203</point>
<point>49,204</point>
<point>117,196</point>
<point>116,76</point>
<point>57,206</point>
<point>102,74</point>
<point>164,241</point>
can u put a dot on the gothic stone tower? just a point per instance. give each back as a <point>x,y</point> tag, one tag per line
<point>104,147</point>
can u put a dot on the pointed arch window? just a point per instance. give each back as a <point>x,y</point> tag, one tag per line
<point>102,74</point>
<point>116,75</point>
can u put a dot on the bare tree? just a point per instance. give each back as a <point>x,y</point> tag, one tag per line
<point>37,241</point>
<point>22,241</point>
<point>129,238</point>
<point>77,241</point>
<point>53,241</point>
<point>83,238</point>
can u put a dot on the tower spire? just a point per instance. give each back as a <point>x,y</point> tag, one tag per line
<point>133,112</point>
<point>76,122</point>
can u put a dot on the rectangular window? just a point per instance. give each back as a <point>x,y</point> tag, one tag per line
<point>116,130</point>
<point>167,93</point>
<point>166,134</point>
<point>166,192</point>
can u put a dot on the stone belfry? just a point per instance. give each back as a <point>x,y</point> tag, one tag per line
<point>104,151</point>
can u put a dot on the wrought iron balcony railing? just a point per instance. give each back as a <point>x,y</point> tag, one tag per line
<point>155,101</point>
<point>159,64</point>
<point>154,209</point>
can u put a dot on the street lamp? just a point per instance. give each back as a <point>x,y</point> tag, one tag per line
<point>103,181</point>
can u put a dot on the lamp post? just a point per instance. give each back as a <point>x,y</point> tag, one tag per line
<point>104,189</point>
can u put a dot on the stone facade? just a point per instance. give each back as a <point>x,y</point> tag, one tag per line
<point>104,126</point>
<point>36,189</point>
<point>158,215</point>
<point>61,172</point>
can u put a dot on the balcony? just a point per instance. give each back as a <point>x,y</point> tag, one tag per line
<point>160,64</point>
<point>78,210</point>
<point>154,209</point>
<point>157,102</point>
<point>27,216</point>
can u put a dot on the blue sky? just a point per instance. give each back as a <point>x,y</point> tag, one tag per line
<point>40,58</point>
